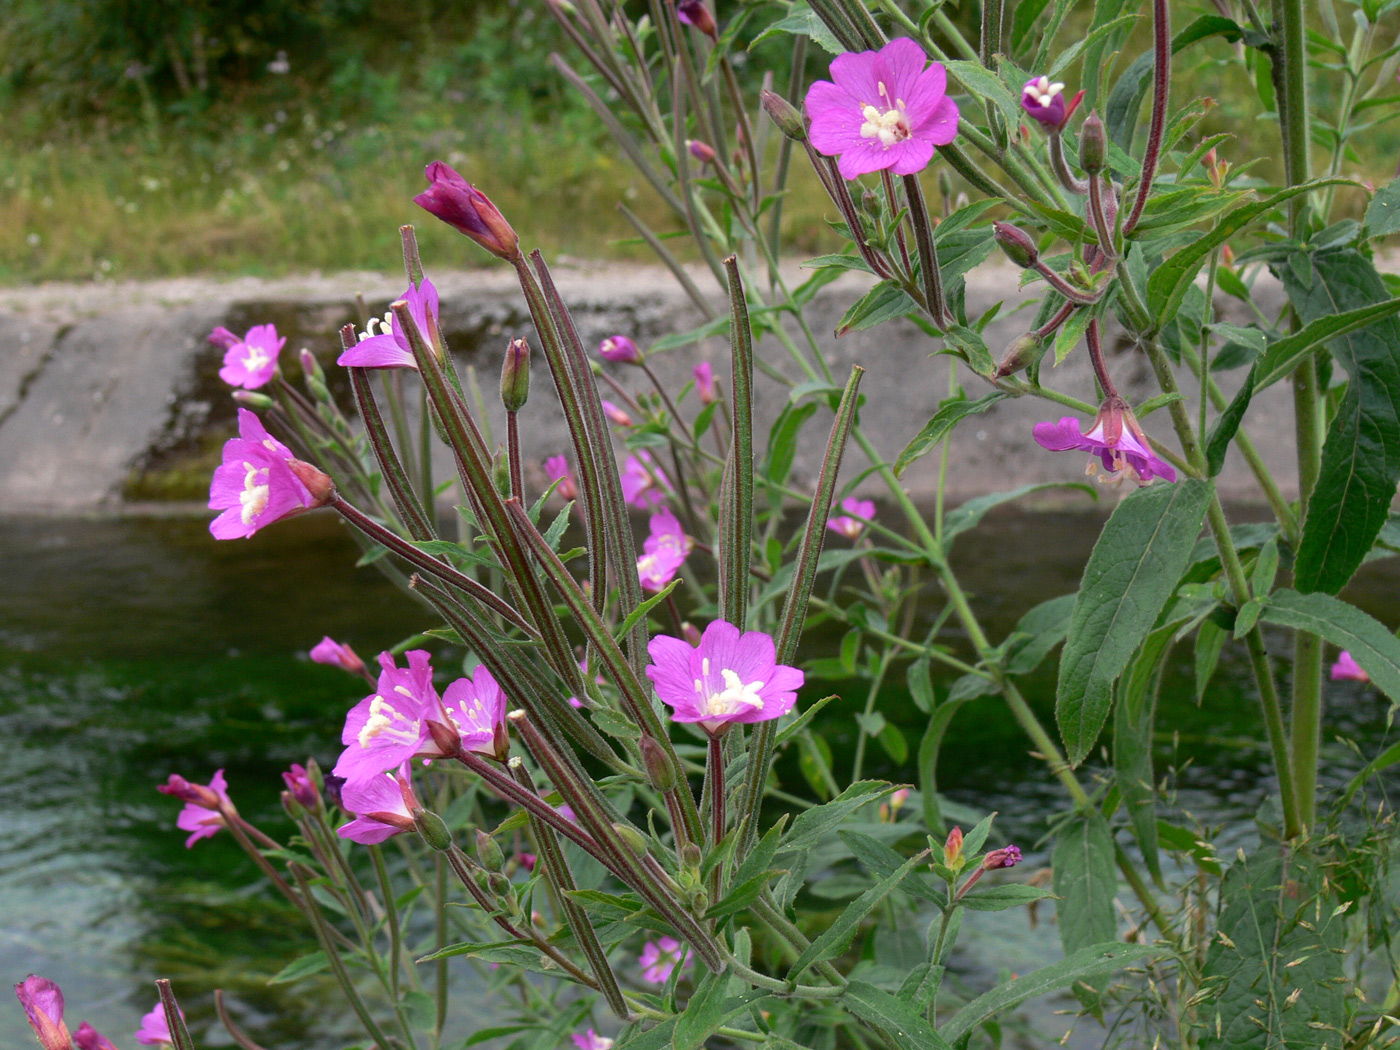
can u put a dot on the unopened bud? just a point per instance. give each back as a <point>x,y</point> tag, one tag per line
<point>691,634</point>
<point>488,853</point>
<point>945,184</point>
<point>515,375</point>
<point>309,365</point>
<point>636,842</point>
<point>1016,243</point>
<point>1019,355</point>
<point>660,771</point>
<point>701,151</point>
<point>785,115</point>
<point>252,399</point>
<point>447,739</point>
<point>461,205</point>
<point>690,855</point>
<point>319,391</point>
<point>953,849</point>
<point>695,13</point>
<point>1093,144</point>
<point>499,885</point>
<point>699,900</point>
<point>432,830</point>
<point>317,481</point>
<point>619,350</point>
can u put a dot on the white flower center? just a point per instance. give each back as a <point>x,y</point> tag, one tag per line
<point>256,359</point>
<point>253,499</point>
<point>889,124</point>
<point>386,720</point>
<point>1042,92</point>
<point>736,694</point>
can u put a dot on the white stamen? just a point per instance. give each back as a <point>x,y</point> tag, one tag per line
<point>887,125</point>
<point>256,359</point>
<point>736,694</point>
<point>382,718</point>
<point>254,497</point>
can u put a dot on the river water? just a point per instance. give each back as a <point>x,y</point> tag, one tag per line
<point>135,647</point>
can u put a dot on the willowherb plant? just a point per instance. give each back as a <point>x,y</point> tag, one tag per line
<point>603,890</point>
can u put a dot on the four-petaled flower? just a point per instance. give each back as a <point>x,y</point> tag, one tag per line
<point>380,804</point>
<point>659,959</point>
<point>43,1004</point>
<point>386,728</point>
<point>663,551</point>
<point>389,347</point>
<point>1044,101</point>
<point>203,814</point>
<point>885,110</point>
<point>557,469</point>
<point>643,484</point>
<point>1115,438</point>
<point>337,654</point>
<point>731,676</point>
<point>591,1040</point>
<point>859,514</point>
<point>251,361</point>
<point>155,1029</point>
<point>259,482</point>
<point>1346,668</point>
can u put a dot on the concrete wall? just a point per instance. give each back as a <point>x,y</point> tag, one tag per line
<point>106,389</point>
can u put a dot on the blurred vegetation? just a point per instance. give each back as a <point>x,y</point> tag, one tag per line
<point>158,137</point>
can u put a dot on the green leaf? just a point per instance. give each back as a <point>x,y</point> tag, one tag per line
<point>929,748</point>
<point>894,1016</point>
<point>1384,760</point>
<point>636,615</point>
<point>1086,882</point>
<point>421,1009</point>
<point>1210,639</point>
<point>1367,639</point>
<point>1226,425</point>
<point>811,825</point>
<point>1134,568</point>
<point>950,413</point>
<point>1383,213</point>
<point>969,345</point>
<point>1132,740</point>
<point>1283,355</point>
<point>984,85</point>
<point>1071,333</point>
<point>1094,961</point>
<point>658,1038</point>
<point>305,966</point>
<point>802,22</point>
<point>837,937</point>
<point>999,898</point>
<point>1274,939</point>
<point>920,681</point>
<point>1361,456</point>
<point>884,302</point>
<point>967,515</point>
<point>709,1008</point>
<point>1041,629</point>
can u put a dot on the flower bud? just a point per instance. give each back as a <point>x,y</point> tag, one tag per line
<point>432,830</point>
<point>310,366</point>
<point>690,856</point>
<point>331,787</point>
<point>1019,354</point>
<point>616,415</point>
<point>43,1004</point>
<point>301,786</point>
<point>953,849</point>
<point>701,151</point>
<point>336,654</point>
<point>691,634</point>
<point>252,399</point>
<point>461,205</point>
<point>222,338</point>
<point>619,350</point>
<point>1007,857</point>
<point>500,886</point>
<point>317,482</point>
<point>704,374</point>
<point>695,13</point>
<point>488,853</point>
<point>785,115</point>
<point>660,771</point>
<point>636,842</point>
<point>1093,144</point>
<point>515,375</point>
<point>1016,243</point>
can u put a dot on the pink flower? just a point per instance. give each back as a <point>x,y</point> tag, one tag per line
<point>701,151</point>
<point>89,1038</point>
<point>386,728</point>
<point>259,482</point>
<point>859,513</point>
<point>155,1030</point>
<point>202,816</point>
<point>388,348</point>
<point>729,677</point>
<point>1115,438</point>
<point>1044,102</point>
<point>251,362</point>
<point>557,468</point>
<point>1347,668</point>
<point>222,338</point>
<point>380,804</point>
<point>43,1004</point>
<point>1007,857</point>
<point>695,13</point>
<point>476,709</point>
<point>337,654</point>
<point>461,205</point>
<point>664,551</point>
<point>567,812</point>
<point>704,375</point>
<point>616,414</point>
<point>885,110</point>
<point>643,484</point>
<point>619,350</point>
<point>301,786</point>
<point>527,860</point>
<point>659,958</point>
<point>591,1040</point>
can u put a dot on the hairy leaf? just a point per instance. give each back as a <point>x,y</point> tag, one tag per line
<point>1085,882</point>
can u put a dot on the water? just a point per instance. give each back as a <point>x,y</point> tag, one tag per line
<point>132,648</point>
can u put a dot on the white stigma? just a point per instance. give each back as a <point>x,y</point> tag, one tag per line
<point>736,695</point>
<point>256,359</point>
<point>253,499</point>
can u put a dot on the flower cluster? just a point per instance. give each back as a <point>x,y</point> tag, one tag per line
<point>42,1000</point>
<point>858,514</point>
<point>663,551</point>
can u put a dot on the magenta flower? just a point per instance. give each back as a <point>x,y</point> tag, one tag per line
<point>155,1030</point>
<point>664,551</point>
<point>43,1005</point>
<point>729,677</point>
<point>567,812</point>
<point>337,654</point>
<point>616,415</point>
<point>557,468</point>
<point>461,205</point>
<point>89,1038</point>
<point>885,110</point>
<point>1346,668</point>
<point>301,786</point>
<point>259,482</point>
<point>222,338</point>
<point>619,350</point>
<point>701,151</point>
<point>382,805</point>
<point>388,348</point>
<point>859,514</point>
<point>591,1040</point>
<point>251,361</point>
<point>1007,857</point>
<point>704,375</point>
<point>476,709</point>
<point>695,13</point>
<point>659,959</point>
<point>1115,438</point>
<point>386,728</point>
<point>1044,102</point>
<point>527,861</point>
<point>203,815</point>
<point>643,484</point>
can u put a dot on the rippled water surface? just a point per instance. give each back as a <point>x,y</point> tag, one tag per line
<point>132,648</point>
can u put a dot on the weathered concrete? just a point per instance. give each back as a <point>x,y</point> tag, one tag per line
<point>100,384</point>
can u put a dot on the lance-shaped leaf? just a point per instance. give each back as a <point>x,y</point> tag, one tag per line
<point>900,1021</point>
<point>736,491</point>
<point>1369,641</point>
<point>836,937</point>
<point>1134,568</point>
<point>1361,456</point>
<point>1086,882</point>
